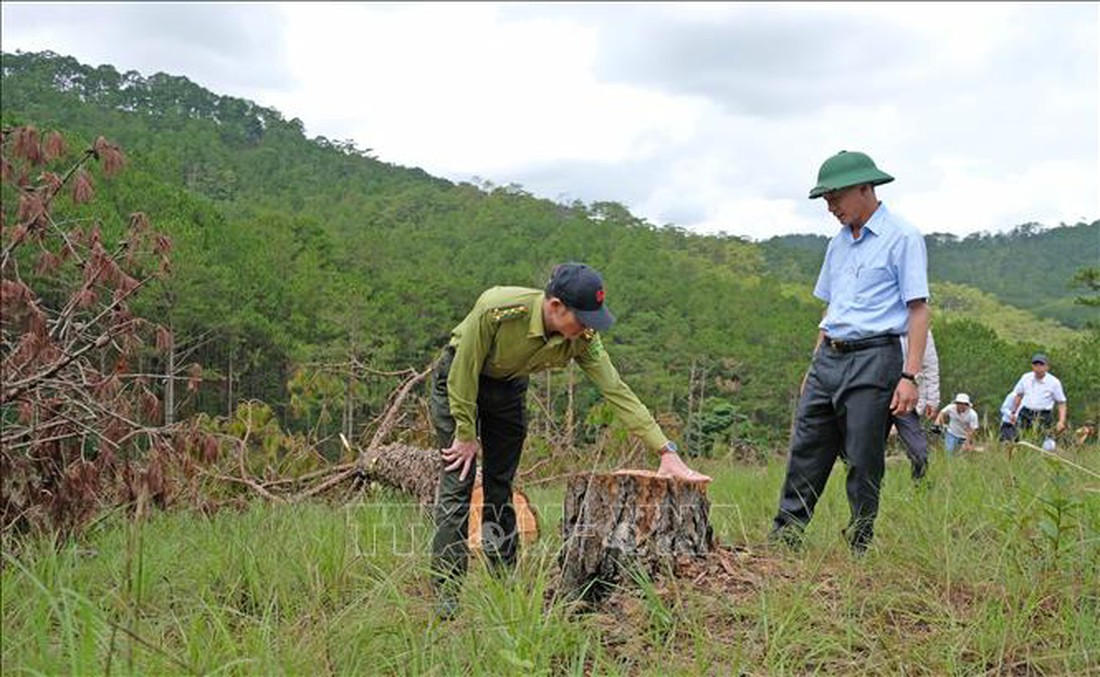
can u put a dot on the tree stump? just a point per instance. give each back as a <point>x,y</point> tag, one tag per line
<point>628,520</point>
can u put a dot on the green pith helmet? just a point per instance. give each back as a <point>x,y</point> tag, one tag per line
<point>848,169</point>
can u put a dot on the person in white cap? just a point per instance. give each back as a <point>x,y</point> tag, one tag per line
<point>961,420</point>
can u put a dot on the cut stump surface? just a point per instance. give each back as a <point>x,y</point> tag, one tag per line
<point>628,520</point>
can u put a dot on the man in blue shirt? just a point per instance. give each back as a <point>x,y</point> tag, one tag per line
<point>875,281</point>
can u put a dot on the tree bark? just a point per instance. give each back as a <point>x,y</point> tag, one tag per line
<point>410,469</point>
<point>170,383</point>
<point>416,472</point>
<point>628,521</point>
<point>229,386</point>
<point>349,406</point>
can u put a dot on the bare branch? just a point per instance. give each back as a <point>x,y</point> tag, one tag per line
<point>394,406</point>
<point>252,484</point>
<point>343,472</point>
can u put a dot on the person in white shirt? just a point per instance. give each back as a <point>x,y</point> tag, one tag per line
<point>928,403</point>
<point>961,421</point>
<point>1008,409</point>
<point>1036,394</point>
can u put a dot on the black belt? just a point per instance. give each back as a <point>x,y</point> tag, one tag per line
<point>859,344</point>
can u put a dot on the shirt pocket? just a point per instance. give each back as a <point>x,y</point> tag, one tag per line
<point>874,282</point>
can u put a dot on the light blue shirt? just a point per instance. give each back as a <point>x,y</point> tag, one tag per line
<point>867,282</point>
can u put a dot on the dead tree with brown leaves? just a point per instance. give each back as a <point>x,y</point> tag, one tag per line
<point>79,426</point>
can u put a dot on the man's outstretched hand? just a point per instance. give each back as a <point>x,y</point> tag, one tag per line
<point>673,466</point>
<point>460,455</point>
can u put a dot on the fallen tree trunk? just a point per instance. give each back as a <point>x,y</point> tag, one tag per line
<point>617,524</point>
<point>410,469</point>
<point>416,472</point>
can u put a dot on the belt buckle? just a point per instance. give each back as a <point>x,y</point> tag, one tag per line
<point>837,345</point>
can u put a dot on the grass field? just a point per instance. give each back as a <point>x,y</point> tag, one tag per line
<point>990,567</point>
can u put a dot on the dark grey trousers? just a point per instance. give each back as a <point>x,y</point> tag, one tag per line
<point>502,427</point>
<point>1041,420</point>
<point>844,411</point>
<point>914,440</point>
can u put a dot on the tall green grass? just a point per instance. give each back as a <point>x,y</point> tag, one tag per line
<point>991,566</point>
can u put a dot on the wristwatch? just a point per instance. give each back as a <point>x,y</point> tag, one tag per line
<point>915,378</point>
<point>669,448</point>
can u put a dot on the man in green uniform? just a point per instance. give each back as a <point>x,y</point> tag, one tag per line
<point>478,400</point>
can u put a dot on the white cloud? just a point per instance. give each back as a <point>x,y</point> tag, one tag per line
<point>711,116</point>
<point>225,46</point>
<point>970,196</point>
<point>454,89</point>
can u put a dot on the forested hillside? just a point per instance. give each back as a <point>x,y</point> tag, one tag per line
<point>304,267</point>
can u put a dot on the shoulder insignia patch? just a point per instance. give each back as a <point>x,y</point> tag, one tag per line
<point>509,312</point>
<point>595,345</point>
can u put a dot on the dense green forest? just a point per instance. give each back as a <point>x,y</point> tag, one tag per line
<point>306,271</point>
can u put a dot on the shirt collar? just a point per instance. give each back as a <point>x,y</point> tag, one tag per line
<point>878,221</point>
<point>535,327</point>
<point>876,225</point>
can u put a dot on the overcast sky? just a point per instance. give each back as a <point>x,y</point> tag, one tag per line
<point>714,116</point>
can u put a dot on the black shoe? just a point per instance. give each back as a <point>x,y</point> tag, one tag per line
<point>858,540</point>
<point>446,608</point>
<point>787,537</point>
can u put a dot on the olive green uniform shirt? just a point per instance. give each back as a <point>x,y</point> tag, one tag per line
<point>503,338</point>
